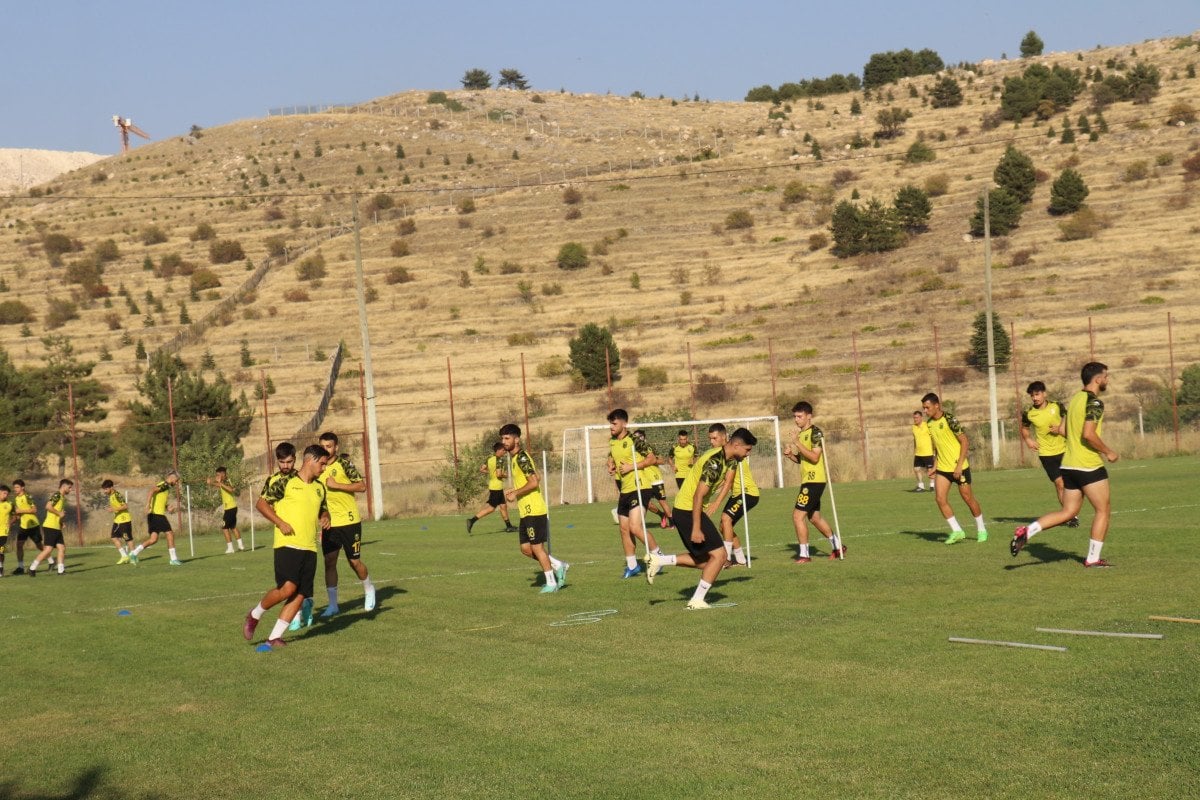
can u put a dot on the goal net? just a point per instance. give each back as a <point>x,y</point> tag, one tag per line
<point>585,478</point>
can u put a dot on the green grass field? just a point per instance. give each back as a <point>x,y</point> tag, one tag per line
<point>832,679</point>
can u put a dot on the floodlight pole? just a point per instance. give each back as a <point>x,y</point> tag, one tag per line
<point>991,343</point>
<point>372,418</point>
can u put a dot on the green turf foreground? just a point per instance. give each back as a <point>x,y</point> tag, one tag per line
<point>832,679</point>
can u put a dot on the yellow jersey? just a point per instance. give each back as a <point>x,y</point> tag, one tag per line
<point>532,504</point>
<point>161,494</point>
<point>683,456</point>
<point>228,498</point>
<point>23,504</point>
<point>945,438</point>
<point>1041,420</point>
<point>653,474</point>
<point>495,482</point>
<point>6,509</point>
<point>627,451</point>
<point>922,441</point>
<point>115,501</point>
<point>739,472</point>
<point>811,438</point>
<point>710,470</point>
<point>1080,455</point>
<point>54,513</point>
<point>343,508</point>
<point>299,504</point>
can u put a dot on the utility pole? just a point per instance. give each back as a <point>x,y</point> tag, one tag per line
<point>991,343</point>
<point>372,418</point>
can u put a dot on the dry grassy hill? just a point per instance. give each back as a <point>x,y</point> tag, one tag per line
<point>656,181</point>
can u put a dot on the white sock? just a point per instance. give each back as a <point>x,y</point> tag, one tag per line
<point>554,562</point>
<point>1033,529</point>
<point>739,555</point>
<point>368,587</point>
<point>1094,550</point>
<point>979,524</point>
<point>137,550</point>
<point>728,550</point>
<point>667,560</point>
<point>836,541</point>
<point>258,611</point>
<point>240,545</point>
<point>33,567</point>
<point>281,625</point>
<point>701,589</point>
<point>803,551</point>
<point>62,567</point>
<point>229,547</point>
<point>172,553</point>
<point>953,523</point>
<point>631,562</point>
<point>123,551</point>
<point>550,579</point>
<point>658,551</point>
<point>332,592</point>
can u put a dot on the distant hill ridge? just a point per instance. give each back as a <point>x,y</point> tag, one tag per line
<point>21,168</point>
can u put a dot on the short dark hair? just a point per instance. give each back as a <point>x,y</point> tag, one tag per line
<point>1036,386</point>
<point>497,445</point>
<point>314,451</point>
<point>66,482</point>
<point>222,470</point>
<point>1091,370</point>
<point>3,488</point>
<point>931,398</point>
<point>804,406</point>
<point>918,411</point>
<point>744,436</point>
<point>618,414</point>
<point>285,450</point>
<point>19,482</point>
<point>328,436</point>
<point>105,484</point>
<point>682,432</point>
<point>641,434</point>
<point>511,429</point>
<point>716,427</point>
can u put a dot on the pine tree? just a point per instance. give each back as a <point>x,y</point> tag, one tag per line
<point>1004,213</point>
<point>1067,193</point>
<point>1015,173</point>
<point>977,356</point>
<point>1032,45</point>
<point>587,355</point>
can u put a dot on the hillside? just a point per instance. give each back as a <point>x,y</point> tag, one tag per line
<point>656,181</point>
<point>21,168</point>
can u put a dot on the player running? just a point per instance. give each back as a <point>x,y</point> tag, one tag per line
<point>534,530</point>
<point>1043,428</point>
<point>952,447</point>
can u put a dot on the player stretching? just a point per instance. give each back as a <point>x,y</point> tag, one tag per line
<point>494,469</point>
<point>229,505</point>
<point>681,458</point>
<point>922,452</point>
<point>156,519</point>
<point>705,549</point>
<point>1046,421</point>
<point>6,509</point>
<point>809,453</point>
<point>952,467</point>
<point>534,530</point>
<point>1083,472</point>
<point>342,481</point>
<point>52,534</point>
<point>657,498</point>
<point>627,462</point>
<point>295,502</point>
<point>28,527</point>
<point>122,526</point>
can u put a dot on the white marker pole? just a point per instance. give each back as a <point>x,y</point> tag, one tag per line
<point>252,527</point>
<point>637,483</point>
<point>191,541</point>
<point>837,529</point>
<point>745,513</point>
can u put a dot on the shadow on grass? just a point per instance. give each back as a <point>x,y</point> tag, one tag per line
<point>1042,553</point>
<point>88,784</point>
<point>349,616</point>
<point>1024,519</point>
<point>929,536</point>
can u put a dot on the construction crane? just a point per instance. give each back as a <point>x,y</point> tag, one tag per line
<point>125,124</point>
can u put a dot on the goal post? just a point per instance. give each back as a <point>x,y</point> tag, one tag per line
<point>585,453</point>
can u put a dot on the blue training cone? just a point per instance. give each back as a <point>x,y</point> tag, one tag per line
<point>263,648</point>
<point>124,612</point>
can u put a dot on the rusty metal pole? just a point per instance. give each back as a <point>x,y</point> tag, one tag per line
<point>862,424</point>
<point>362,399</point>
<point>1174,399</point>
<point>175,455</point>
<point>262,382</point>
<point>75,458</point>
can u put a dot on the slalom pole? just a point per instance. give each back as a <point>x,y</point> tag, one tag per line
<point>746,513</point>
<point>837,529</point>
<point>191,541</point>
<point>637,483</point>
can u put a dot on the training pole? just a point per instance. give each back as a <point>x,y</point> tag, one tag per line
<point>191,540</point>
<point>746,512</point>
<point>252,527</point>
<point>637,484</point>
<point>837,529</point>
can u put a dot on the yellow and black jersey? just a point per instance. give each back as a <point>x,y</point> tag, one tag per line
<point>739,472</point>
<point>299,504</point>
<point>1041,421</point>
<point>495,482</point>
<point>945,432</point>
<point>54,513</point>
<point>709,470</point>
<point>23,504</point>
<point>627,450</point>
<point>653,474</point>
<point>6,509</point>
<point>812,438</point>
<point>532,504</point>
<point>228,498</point>
<point>922,441</point>
<point>161,494</point>
<point>115,501</point>
<point>343,509</point>
<point>683,456</point>
<point>1084,407</point>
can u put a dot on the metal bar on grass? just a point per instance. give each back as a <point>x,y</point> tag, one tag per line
<point>1055,648</point>
<point>1101,633</point>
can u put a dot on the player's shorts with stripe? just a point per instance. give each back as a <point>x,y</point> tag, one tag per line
<point>229,519</point>
<point>122,530</point>
<point>34,533</point>
<point>734,508</point>
<point>712,537</point>
<point>809,499</point>
<point>343,537</point>
<point>659,490</point>
<point>534,529</point>
<point>3,544</point>
<point>295,566</point>
<point>925,462</point>
<point>158,523</point>
<point>1077,478</point>
<point>966,477</point>
<point>1052,465</point>
<point>629,501</point>
<point>52,537</point>
<point>495,498</point>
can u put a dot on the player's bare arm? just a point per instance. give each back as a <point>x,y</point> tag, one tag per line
<point>1095,442</point>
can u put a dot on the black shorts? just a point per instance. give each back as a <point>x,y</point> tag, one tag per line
<point>925,462</point>
<point>122,530</point>
<point>966,477</point>
<point>1052,465</point>
<point>809,499</point>
<point>295,566</point>
<point>34,533</point>
<point>52,537</point>
<point>679,481</point>
<point>534,529</point>
<point>1076,479</point>
<point>659,491</point>
<point>734,509</point>
<point>629,501</point>
<point>712,537</point>
<point>343,537</point>
<point>3,543</point>
<point>229,519</point>
<point>496,498</point>
<point>158,523</point>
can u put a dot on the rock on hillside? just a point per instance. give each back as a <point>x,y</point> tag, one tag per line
<point>20,168</point>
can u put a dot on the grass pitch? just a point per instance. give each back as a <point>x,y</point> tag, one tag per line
<point>832,679</point>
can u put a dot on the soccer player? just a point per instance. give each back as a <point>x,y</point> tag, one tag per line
<point>681,457</point>
<point>951,446</point>
<point>1083,472</point>
<point>342,481</point>
<point>627,462</point>
<point>705,549</point>
<point>657,501</point>
<point>1043,427</point>
<point>6,509</point>
<point>494,469</point>
<point>809,453</point>
<point>156,519</point>
<point>28,527</point>
<point>295,502</point>
<point>526,492</point>
<point>922,452</point>
<point>229,502</point>
<point>52,535</point>
<point>122,526</point>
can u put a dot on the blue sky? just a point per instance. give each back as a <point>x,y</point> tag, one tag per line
<point>67,67</point>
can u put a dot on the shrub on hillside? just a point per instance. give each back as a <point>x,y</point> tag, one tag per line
<point>571,196</point>
<point>399,248</point>
<point>795,192</point>
<point>738,219</point>
<point>588,356</point>
<point>874,228</point>
<point>406,227</point>
<point>1182,112</point>
<point>1015,173</point>
<point>152,234</point>
<point>572,255</point>
<point>203,233</point>
<point>891,66</point>
<point>1191,167</point>
<point>466,206</point>
<point>296,295</point>
<point>946,93</point>
<point>202,279</point>
<point>817,241</point>
<point>841,177</point>
<point>912,208</point>
<point>225,251</point>
<point>57,244</point>
<point>891,122</point>
<point>273,213</point>
<point>1031,45</point>
<point>712,389</point>
<point>1083,224</point>
<point>107,251</point>
<point>59,312</point>
<point>311,268</point>
<point>937,185</point>
<point>14,312</point>
<point>919,153</point>
<point>397,275</point>
<point>276,246</point>
<point>1068,193</point>
<point>649,377</point>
